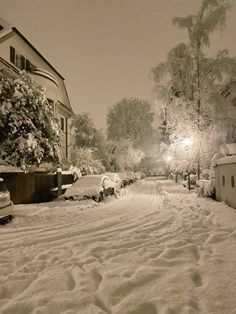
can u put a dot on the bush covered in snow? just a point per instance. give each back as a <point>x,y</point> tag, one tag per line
<point>206,188</point>
<point>29,131</point>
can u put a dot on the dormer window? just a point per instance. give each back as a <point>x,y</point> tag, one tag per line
<point>19,61</point>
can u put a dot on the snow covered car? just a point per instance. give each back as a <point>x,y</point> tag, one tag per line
<point>116,180</point>
<point>131,177</point>
<point>91,186</point>
<point>138,175</point>
<point>124,178</point>
<point>5,204</point>
<point>127,177</point>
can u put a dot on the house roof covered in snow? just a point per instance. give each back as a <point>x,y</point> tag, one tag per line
<point>226,160</point>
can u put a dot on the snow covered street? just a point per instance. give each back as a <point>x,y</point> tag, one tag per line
<point>156,249</point>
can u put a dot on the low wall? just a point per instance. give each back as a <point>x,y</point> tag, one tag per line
<point>33,187</point>
<point>21,186</point>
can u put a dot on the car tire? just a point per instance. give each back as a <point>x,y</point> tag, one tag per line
<point>6,220</point>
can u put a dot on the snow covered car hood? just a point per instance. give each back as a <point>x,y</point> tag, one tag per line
<point>79,191</point>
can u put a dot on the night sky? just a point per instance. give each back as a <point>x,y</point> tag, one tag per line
<point>106,48</point>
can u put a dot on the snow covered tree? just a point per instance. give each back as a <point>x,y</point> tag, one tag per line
<point>85,159</point>
<point>29,131</point>
<point>124,155</point>
<point>132,119</point>
<point>190,83</point>
<point>87,136</point>
<point>84,130</point>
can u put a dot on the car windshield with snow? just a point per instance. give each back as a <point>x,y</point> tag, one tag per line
<point>91,186</point>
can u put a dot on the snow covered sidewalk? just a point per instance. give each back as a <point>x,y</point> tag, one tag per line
<point>155,249</point>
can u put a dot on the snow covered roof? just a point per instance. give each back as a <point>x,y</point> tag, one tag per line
<point>227,155</point>
<point>228,149</point>
<point>226,160</point>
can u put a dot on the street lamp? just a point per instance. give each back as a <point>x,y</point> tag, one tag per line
<point>188,141</point>
<point>168,158</point>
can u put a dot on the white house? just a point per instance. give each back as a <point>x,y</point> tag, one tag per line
<point>225,175</point>
<point>16,54</point>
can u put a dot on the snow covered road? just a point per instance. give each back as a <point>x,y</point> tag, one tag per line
<point>155,249</point>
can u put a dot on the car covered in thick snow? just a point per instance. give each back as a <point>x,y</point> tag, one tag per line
<point>127,177</point>
<point>90,186</point>
<point>6,213</point>
<point>116,180</point>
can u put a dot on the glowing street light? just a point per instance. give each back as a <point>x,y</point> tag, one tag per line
<point>168,158</point>
<point>187,142</point>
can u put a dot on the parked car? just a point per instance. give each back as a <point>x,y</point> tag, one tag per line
<point>127,177</point>
<point>124,178</point>
<point>143,174</point>
<point>90,186</point>
<point>6,213</point>
<point>116,180</point>
<point>139,175</point>
<point>131,176</point>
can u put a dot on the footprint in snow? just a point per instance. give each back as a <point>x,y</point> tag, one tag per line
<point>197,279</point>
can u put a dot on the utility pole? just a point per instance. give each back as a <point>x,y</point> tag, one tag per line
<point>198,106</point>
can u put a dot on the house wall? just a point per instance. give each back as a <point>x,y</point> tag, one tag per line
<point>24,49</point>
<point>224,177</point>
<point>55,92</point>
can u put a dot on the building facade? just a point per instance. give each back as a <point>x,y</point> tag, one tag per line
<point>18,54</point>
<point>225,180</point>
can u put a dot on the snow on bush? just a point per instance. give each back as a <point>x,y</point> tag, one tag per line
<point>206,174</point>
<point>76,173</point>
<point>206,188</point>
<point>29,131</point>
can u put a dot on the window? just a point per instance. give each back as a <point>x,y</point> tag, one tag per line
<point>62,123</point>
<point>19,61</point>
<point>223,180</point>
<point>1,27</point>
<point>234,102</point>
<point>232,181</point>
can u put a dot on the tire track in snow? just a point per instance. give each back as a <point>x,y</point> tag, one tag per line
<point>144,251</point>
